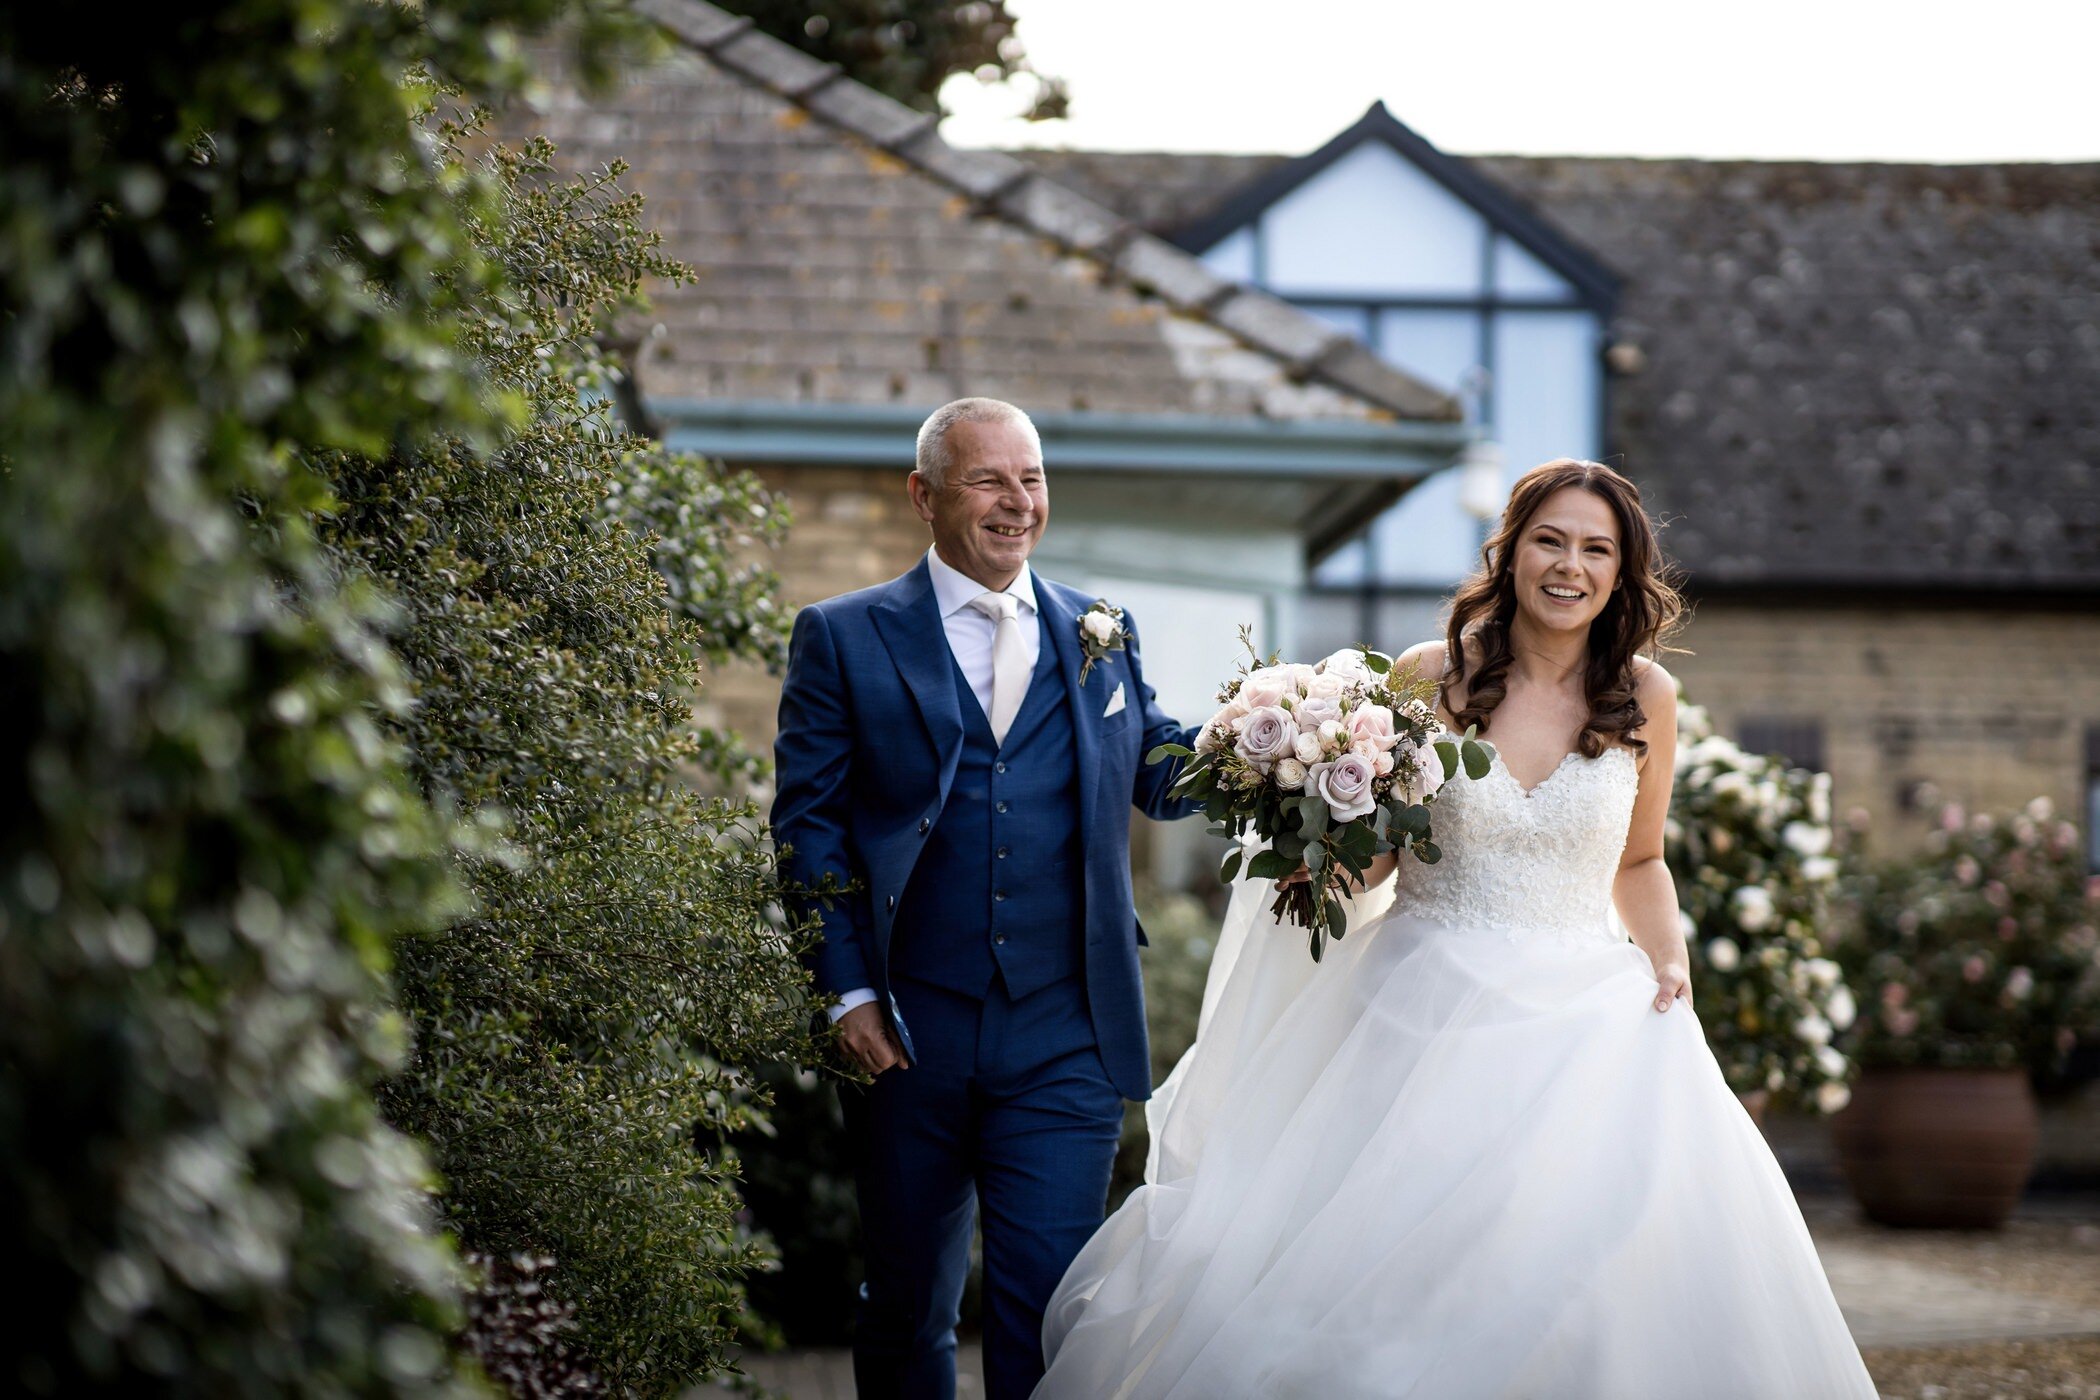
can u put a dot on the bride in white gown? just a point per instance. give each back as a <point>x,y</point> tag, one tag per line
<point>1482,1149</point>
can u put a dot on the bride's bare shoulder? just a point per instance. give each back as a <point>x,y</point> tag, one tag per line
<point>1426,657</point>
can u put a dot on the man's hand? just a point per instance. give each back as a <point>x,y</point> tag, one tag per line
<point>866,1035</point>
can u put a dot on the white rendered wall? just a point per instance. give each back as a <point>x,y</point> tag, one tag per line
<point>1372,224</point>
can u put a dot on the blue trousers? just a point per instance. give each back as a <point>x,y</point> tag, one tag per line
<point>1008,1112</point>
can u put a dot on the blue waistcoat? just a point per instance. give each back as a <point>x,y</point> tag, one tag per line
<point>998,892</point>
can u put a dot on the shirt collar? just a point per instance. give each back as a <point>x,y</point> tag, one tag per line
<point>954,589</point>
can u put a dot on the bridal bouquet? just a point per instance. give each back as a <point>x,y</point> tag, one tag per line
<point>1331,764</point>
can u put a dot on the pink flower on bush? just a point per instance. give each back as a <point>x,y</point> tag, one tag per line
<point>1973,967</point>
<point>1894,994</point>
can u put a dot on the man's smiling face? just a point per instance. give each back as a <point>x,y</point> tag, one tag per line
<point>991,509</point>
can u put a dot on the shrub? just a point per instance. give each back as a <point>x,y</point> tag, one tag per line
<point>1750,845</point>
<point>221,243</point>
<point>586,1034</point>
<point>1983,950</point>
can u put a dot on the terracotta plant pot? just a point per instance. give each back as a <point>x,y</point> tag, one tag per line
<point>1944,1148</point>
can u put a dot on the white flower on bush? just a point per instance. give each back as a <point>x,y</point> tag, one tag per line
<point>1689,925</point>
<point>1819,870</point>
<point>1753,908</point>
<point>1832,1096</point>
<point>1813,1029</point>
<point>1289,773</point>
<point>1840,1008</point>
<point>1731,784</point>
<point>1805,839</point>
<point>1346,786</point>
<point>1266,735</point>
<point>2018,983</point>
<point>1819,799</point>
<point>1722,955</point>
<point>1831,1062</point>
<point>1821,971</point>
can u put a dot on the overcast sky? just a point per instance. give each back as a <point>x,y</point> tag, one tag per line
<point>1831,80</point>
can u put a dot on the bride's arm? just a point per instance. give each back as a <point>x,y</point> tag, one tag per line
<point>1645,896</point>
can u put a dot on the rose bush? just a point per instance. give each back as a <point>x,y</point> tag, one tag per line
<point>1981,951</point>
<point>1750,844</point>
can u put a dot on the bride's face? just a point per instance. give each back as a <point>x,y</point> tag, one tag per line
<point>1566,563</point>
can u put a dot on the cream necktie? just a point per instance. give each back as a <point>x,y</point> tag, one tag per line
<point>1009,659</point>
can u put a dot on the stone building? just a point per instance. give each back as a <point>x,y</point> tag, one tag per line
<point>1864,399</point>
<point>1207,443</point>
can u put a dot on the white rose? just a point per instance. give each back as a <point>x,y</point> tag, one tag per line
<point>1813,1029</point>
<point>1289,773</point>
<point>1722,955</point>
<point>1841,1008</point>
<point>1807,840</point>
<point>1332,735</point>
<point>1382,762</point>
<point>1831,1062</point>
<point>1348,663</point>
<point>1308,749</point>
<point>1300,674</point>
<point>1429,772</point>
<point>1099,625</point>
<point>1833,1096</point>
<point>1753,908</point>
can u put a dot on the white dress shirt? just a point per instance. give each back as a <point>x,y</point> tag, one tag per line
<point>970,635</point>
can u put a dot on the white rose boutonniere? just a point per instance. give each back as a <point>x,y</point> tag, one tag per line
<point>1101,631</point>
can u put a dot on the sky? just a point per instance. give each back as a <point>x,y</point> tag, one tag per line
<point>1780,79</point>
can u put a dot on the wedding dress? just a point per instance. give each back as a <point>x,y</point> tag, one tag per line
<point>1462,1156</point>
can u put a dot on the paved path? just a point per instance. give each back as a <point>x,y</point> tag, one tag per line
<point>1897,1289</point>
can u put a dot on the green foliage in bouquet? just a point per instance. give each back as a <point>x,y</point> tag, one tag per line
<point>587,1034</point>
<point>1284,800</point>
<point>221,242</point>
<point>1983,951</point>
<point>1750,844</point>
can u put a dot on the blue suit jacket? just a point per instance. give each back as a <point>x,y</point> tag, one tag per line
<point>870,730</point>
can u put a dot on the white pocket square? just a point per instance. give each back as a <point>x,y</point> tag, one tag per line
<point>1115,702</point>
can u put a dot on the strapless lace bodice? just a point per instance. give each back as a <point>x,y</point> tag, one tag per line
<point>1528,865</point>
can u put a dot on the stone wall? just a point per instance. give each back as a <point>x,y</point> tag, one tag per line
<point>1989,705</point>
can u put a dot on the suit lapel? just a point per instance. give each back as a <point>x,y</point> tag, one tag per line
<point>909,622</point>
<point>1062,616</point>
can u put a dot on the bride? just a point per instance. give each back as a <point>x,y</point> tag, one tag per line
<point>1482,1148</point>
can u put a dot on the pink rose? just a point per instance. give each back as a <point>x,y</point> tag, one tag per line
<point>1265,686</point>
<point>1266,735</point>
<point>1300,674</point>
<point>1314,712</point>
<point>1371,724</point>
<point>1328,685</point>
<point>1345,784</point>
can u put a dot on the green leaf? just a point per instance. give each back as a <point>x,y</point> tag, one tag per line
<point>1270,865</point>
<point>1230,870</point>
<point>1427,852</point>
<point>1162,752</point>
<point>1477,757</point>
<point>1447,754</point>
<point>1337,917</point>
<point>1378,661</point>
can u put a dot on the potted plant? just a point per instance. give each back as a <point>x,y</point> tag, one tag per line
<point>1980,961</point>
<point>1749,842</point>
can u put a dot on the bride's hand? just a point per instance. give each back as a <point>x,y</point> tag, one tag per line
<point>1672,980</point>
<point>1299,876</point>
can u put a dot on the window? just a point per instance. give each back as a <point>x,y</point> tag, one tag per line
<point>1798,741</point>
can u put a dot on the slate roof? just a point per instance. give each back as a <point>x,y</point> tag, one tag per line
<point>850,256</point>
<point>1845,375</point>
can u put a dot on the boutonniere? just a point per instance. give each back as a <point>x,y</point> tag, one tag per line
<point>1101,631</point>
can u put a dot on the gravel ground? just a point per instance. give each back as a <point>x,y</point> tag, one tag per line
<point>2038,1370</point>
<point>2051,1249</point>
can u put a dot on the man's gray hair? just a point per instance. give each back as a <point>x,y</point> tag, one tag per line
<point>935,456</point>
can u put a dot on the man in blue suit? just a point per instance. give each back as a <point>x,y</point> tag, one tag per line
<point>939,749</point>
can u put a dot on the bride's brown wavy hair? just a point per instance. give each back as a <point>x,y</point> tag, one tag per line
<point>1641,615</point>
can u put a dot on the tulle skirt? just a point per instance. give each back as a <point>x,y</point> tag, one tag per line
<point>1447,1163</point>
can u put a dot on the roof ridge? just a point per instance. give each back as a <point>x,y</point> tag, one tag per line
<point>1005,187</point>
